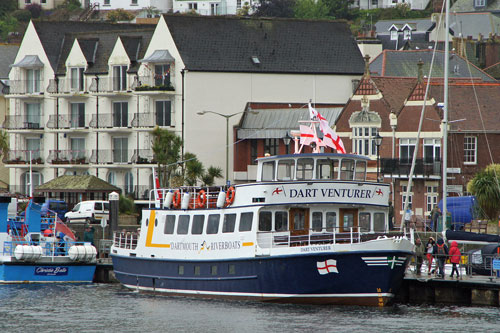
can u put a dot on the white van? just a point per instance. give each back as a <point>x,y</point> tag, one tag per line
<point>88,212</point>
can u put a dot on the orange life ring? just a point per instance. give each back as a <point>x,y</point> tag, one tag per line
<point>201,200</point>
<point>230,194</point>
<point>176,200</point>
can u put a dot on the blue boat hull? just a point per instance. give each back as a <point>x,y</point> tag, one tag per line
<point>46,273</point>
<point>359,278</point>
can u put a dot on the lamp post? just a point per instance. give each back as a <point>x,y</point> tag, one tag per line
<point>378,142</point>
<point>227,116</point>
<point>286,140</point>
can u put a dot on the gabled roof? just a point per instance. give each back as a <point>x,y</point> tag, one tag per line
<point>404,64</point>
<point>473,24</point>
<point>82,183</point>
<point>463,6</point>
<point>8,54</point>
<point>421,25</point>
<point>227,44</point>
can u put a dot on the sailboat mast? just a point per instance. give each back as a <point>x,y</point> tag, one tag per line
<point>445,108</point>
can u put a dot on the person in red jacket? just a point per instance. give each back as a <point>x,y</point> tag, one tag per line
<point>454,258</point>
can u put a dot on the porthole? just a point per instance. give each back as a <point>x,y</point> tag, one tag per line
<point>156,222</point>
<point>147,222</point>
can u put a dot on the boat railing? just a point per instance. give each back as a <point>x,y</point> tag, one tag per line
<point>199,197</point>
<point>125,240</point>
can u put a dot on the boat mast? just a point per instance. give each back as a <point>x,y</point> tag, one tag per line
<point>445,109</point>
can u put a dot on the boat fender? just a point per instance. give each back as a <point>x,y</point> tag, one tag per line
<point>176,200</point>
<point>168,199</point>
<point>221,199</point>
<point>230,194</point>
<point>201,200</point>
<point>185,200</point>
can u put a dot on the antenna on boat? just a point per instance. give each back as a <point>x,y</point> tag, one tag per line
<point>445,109</point>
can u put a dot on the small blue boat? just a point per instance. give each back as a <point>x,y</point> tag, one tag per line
<point>41,250</point>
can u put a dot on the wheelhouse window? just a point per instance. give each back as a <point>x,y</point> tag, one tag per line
<point>317,221</point>
<point>77,116</point>
<point>265,221</point>
<point>331,221</point>
<point>281,221</point>
<point>326,168</point>
<point>379,222</point>
<point>119,78</point>
<point>347,169</point>
<point>305,168</point>
<point>364,222</point>
<point>213,224</point>
<point>360,170</point>
<point>183,225</point>
<point>163,113</point>
<point>470,150</point>
<point>406,149</point>
<point>432,150</point>
<point>268,171</point>
<point>286,169</point>
<point>363,139</point>
<point>77,79</point>
<point>198,222</point>
<point>229,223</point>
<point>246,221</point>
<point>169,225</point>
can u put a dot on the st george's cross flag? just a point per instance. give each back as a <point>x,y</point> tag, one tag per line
<point>327,266</point>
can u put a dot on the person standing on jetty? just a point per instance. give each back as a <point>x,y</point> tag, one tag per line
<point>430,249</point>
<point>435,214</point>
<point>455,258</point>
<point>441,253</point>
<point>419,254</point>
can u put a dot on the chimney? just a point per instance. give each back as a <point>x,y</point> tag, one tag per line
<point>367,66</point>
<point>420,63</point>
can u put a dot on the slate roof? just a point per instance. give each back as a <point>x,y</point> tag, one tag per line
<point>82,183</point>
<point>422,25</point>
<point>227,44</point>
<point>8,54</point>
<point>404,64</point>
<point>473,24</point>
<point>56,38</point>
<point>461,6</point>
<point>494,70</point>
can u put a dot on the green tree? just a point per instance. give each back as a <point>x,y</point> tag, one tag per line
<point>71,5</point>
<point>119,14</point>
<point>7,24</point>
<point>4,144</point>
<point>311,9</point>
<point>275,8</point>
<point>208,178</point>
<point>340,9</point>
<point>485,186</point>
<point>166,148</point>
<point>244,10</point>
<point>7,6</point>
<point>126,205</point>
<point>195,172</point>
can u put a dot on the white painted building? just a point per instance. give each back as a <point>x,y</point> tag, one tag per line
<point>45,4</point>
<point>373,4</point>
<point>162,5</point>
<point>212,7</point>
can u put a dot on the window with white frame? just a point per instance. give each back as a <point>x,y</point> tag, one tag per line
<point>406,149</point>
<point>479,3</point>
<point>33,116</point>
<point>77,149</point>
<point>32,81</point>
<point>111,178</point>
<point>214,9</point>
<point>363,139</point>
<point>394,34</point>
<point>119,78</point>
<point>133,2</point>
<point>271,146</point>
<point>33,146</point>
<point>238,4</point>
<point>470,150</point>
<point>162,75</point>
<point>407,34</point>
<point>76,74</point>
<point>129,183</point>
<point>403,196</point>
<point>36,180</point>
<point>77,117</point>
<point>120,150</point>
<point>107,2</point>
<point>120,114</point>
<point>374,3</point>
<point>163,113</point>
<point>432,150</point>
<point>193,5</point>
<point>431,198</point>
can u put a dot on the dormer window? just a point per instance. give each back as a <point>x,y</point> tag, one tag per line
<point>394,34</point>
<point>119,78</point>
<point>76,78</point>
<point>407,34</point>
<point>479,3</point>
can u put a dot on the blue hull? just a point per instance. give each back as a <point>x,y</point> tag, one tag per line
<point>360,278</point>
<point>46,273</point>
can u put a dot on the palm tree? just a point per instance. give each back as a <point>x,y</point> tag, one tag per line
<point>485,186</point>
<point>4,144</point>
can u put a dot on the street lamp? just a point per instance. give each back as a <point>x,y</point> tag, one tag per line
<point>227,116</point>
<point>286,140</point>
<point>378,142</point>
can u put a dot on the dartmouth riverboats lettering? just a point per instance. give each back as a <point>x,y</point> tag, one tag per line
<point>213,246</point>
<point>51,271</point>
<point>333,193</point>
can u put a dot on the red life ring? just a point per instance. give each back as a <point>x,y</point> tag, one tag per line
<point>176,200</point>
<point>230,194</point>
<point>201,200</point>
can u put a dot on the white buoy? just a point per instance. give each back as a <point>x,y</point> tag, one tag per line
<point>221,199</point>
<point>84,253</point>
<point>28,252</point>
<point>168,199</point>
<point>185,200</point>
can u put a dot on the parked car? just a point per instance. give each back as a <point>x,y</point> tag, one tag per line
<point>51,207</point>
<point>89,212</point>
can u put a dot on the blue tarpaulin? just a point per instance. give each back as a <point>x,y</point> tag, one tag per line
<point>463,210</point>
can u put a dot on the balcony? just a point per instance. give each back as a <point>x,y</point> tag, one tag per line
<point>24,87</point>
<point>109,120</point>
<point>143,156</point>
<point>152,84</point>
<point>66,86</point>
<point>23,157</point>
<point>65,122</point>
<point>112,156</point>
<point>61,157</point>
<point>111,85</point>
<point>138,192</point>
<point>143,120</point>
<point>400,168</point>
<point>22,122</point>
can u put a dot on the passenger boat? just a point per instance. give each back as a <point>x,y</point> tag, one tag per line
<point>41,250</point>
<point>311,229</point>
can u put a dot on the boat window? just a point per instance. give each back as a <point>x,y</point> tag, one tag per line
<point>183,225</point>
<point>246,221</point>
<point>317,221</point>
<point>331,221</point>
<point>379,222</point>
<point>348,221</point>
<point>281,221</point>
<point>198,222</point>
<point>286,169</point>
<point>231,269</point>
<point>147,222</point>
<point>326,169</point>
<point>156,222</point>
<point>181,269</point>
<point>213,270</point>
<point>265,221</point>
<point>229,222</point>
<point>213,224</point>
<point>347,169</point>
<point>305,167</point>
<point>268,171</point>
<point>169,225</point>
<point>197,270</point>
<point>360,170</point>
<point>364,222</point>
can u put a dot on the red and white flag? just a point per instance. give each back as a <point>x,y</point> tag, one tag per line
<point>327,266</point>
<point>306,135</point>
<point>330,138</point>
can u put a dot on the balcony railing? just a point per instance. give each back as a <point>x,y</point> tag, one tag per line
<point>112,156</point>
<point>111,84</point>
<point>143,120</point>
<point>402,167</point>
<point>68,157</point>
<point>65,86</point>
<point>152,83</point>
<point>23,157</point>
<point>22,122</point>
<point>109,120</point>
<point>65,121</point>
<point>140,192</point>
<point>22,87</point>
<point>143,156</point>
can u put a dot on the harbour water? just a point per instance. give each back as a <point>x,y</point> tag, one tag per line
<point>111,308</point>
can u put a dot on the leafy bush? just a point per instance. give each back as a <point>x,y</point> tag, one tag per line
<point>126,205</point>
<point>35,10</point>
<point>119,15</point>
<point>22,15</point>
<point>71,5</point>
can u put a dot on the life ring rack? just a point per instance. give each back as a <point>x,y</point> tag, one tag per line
<point>201,199</point>
<point>176,200</point>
